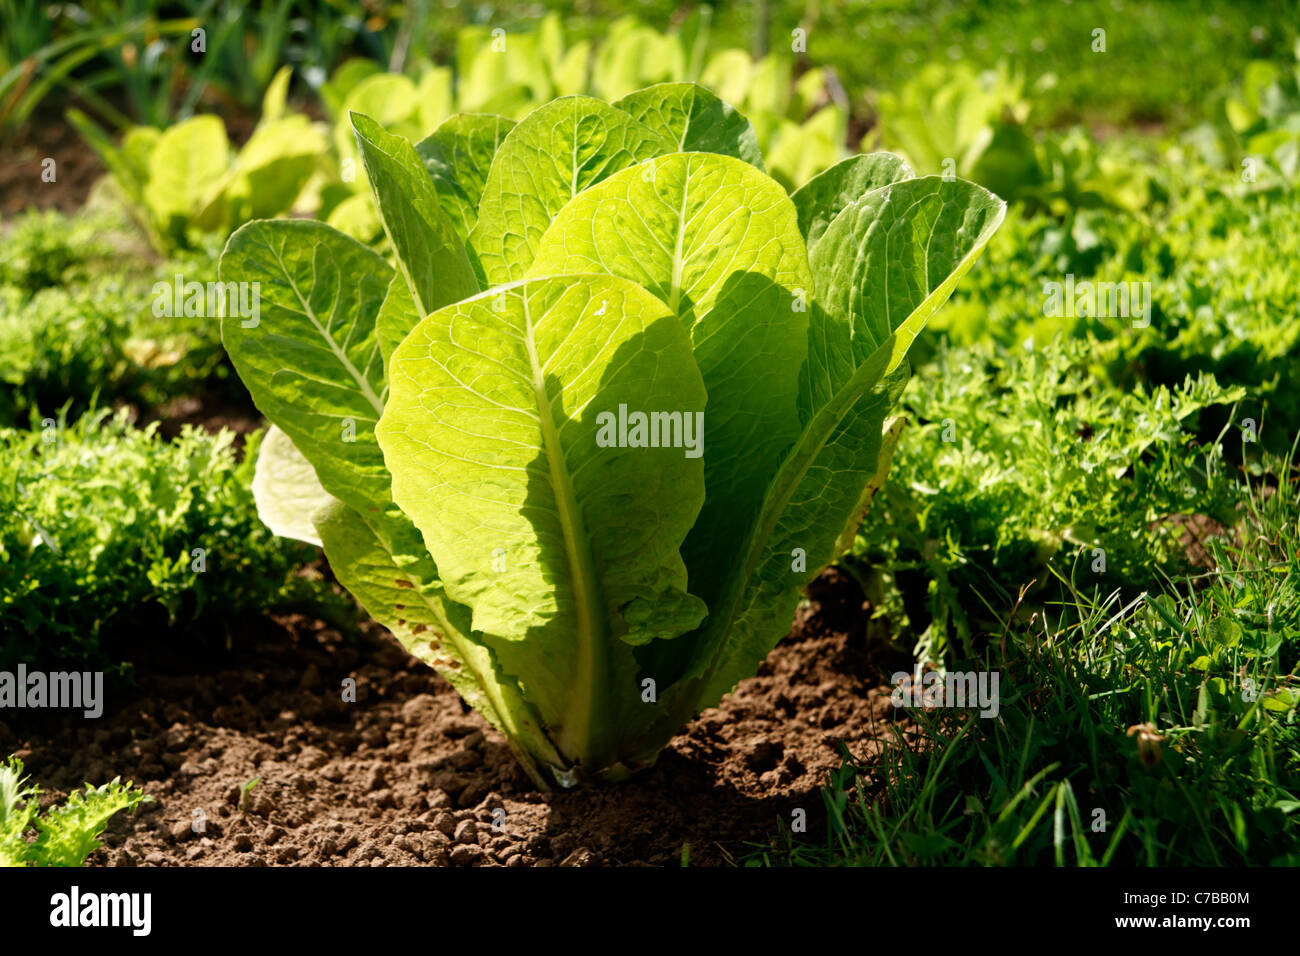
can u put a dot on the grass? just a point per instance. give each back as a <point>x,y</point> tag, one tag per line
<point>1014,458</point>
<point>1158,730</point>
<point>1142,78</point>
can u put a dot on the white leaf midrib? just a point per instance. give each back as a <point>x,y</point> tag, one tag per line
<point>590,633</point>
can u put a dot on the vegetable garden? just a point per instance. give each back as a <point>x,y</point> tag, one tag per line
<point>770,435</point>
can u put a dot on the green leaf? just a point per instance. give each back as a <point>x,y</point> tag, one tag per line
<point>800,151</point>
<point>694,119</point>
<point>430,255</point>
<point>68,833</point>
<point>397,316</point>
<point>1280,702</point>
<point>275,164</point>
<point>458,155</point>
<point>633,55</point>
<point>566,551</point>
<point>824,196</point>
<point>550,41</point>
<point>718,241</point>
<point>769,88</point>
<point>312,361</point>
<point>436,95</point>
<point>188,160</point>
<point>313,366</point>
<point>277,92</point>
<point>893,430</point>
<point>395,594</point>
<point>812,501</point>
<point>390,99</point>
<point>357,218</point>
<point>570,76</point>
<point>553,154</point>
<point>138,144</point>
<point>1226,631</point>
<point>18,807</point>
<point>884,266</point>
<point>346,78</point>
<point>286,489</point>
<point>505,62</point>
<point>729,73</point>
<point>267,176</point>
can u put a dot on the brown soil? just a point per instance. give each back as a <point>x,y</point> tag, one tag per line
<point>76,167</point>
<point>210,412</point>
<point>407,775</point>
<point>1194,534</point>
<point>47,134</point>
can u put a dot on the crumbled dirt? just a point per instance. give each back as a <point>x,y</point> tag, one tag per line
<point>407,775</point>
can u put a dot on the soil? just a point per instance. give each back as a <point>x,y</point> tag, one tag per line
<point>209,411</point>
<point>76,167</point>
<point>46,134</point>
<point>1194,534</point>
<point>407,775</point>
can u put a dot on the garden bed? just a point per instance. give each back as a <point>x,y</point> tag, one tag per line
<point>364,574</point>
<point>409,776</point>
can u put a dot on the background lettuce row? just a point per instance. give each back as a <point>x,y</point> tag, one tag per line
<point>439,416</point>
<point>797,123</point>
<point>186,181</point>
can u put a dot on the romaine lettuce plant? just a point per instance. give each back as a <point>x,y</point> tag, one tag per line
<point>616,401</point>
